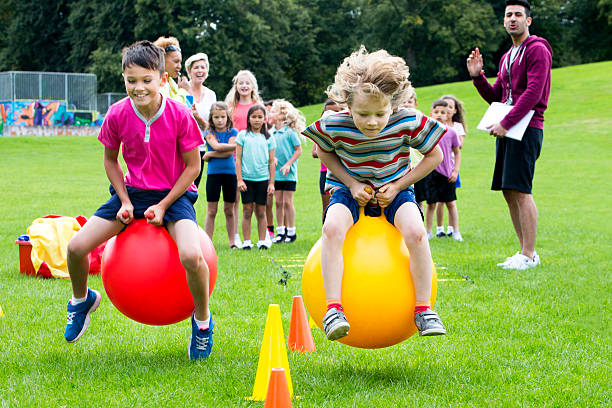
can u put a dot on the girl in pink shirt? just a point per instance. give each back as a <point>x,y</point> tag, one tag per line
<point>243,94</point>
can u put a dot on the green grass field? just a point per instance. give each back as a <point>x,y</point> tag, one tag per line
<point>537,338</point>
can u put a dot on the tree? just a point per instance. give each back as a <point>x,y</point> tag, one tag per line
<point>35,30</point>
<point>434,36</point>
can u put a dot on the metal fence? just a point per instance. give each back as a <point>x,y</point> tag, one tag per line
<point>105,100</point>
<point>78,90</point>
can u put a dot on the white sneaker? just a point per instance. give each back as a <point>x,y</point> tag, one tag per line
<point>521,262</point>
<point>456,235</point>
<point>246,244</point>
<point>265,244</point>
<point>237,241</point>
<point>536,258</point>
<point>509,260</point>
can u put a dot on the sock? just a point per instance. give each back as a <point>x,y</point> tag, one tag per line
<point>280,230</point>
<point>421,307</point>
<point>449,230</point>
<point>334,304</point>
<point>202,324</point>
<point>439,228</point>
<point>291,231</point>
<point>75,301</point>
<point>271,228</point>
<point>237,237</point>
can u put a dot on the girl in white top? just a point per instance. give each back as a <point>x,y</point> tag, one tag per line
<point>197,68</point>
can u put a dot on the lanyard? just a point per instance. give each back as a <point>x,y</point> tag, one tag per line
<point>511,60</point>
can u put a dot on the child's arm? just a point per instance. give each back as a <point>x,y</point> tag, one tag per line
<point>314,151</point>
<point>230,146</point>
<point>114,172</point>
<point>386,194</point>
<point>241,184</point>
<point>271,168</point>
<point>457,151</point>
<point>216,155</point>
<point>332,162</point>
<point>287,166</point>
<point>190,172</point>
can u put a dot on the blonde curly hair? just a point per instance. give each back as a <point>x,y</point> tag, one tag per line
<point>377,73</point>
<point>290,115</point>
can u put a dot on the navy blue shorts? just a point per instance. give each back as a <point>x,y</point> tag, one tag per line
<point>343,196</point>
<point>181,209</point>
<point>322,178</point>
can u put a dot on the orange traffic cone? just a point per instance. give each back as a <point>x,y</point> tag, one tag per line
<point>278,391</point>
<point>300,336</point>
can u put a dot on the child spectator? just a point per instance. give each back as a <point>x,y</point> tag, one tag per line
<point>420,187</point>
<point>334,107</point>
<point>270,200</point>
<point>367,153</point>
<point>457,122</point>
<point>255,173</point>
<point>442,182</point>
<point>289,122</point>
<point>221,172</point>
<point>240,98</point>
<point>159,141</point>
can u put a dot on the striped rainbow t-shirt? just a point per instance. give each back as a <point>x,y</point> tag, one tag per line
<point>375,160</point>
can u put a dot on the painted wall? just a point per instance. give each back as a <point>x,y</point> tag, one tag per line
<point>50,131</point>
<point>40,113</point>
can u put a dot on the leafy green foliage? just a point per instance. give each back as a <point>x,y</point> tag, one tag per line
<point>292,46</point>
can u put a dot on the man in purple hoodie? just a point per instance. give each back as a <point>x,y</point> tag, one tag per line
<point>523,81</point>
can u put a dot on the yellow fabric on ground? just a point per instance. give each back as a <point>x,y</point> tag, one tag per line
<point>49,238</point>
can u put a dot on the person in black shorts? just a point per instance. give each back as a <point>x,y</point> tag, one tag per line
<point>221,171</point>
<point>523,81</point>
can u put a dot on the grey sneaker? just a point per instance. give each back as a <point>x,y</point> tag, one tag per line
<point>429,323</point>
<point>335,324</point>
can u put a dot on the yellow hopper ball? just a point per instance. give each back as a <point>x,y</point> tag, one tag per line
<point>377,289</point>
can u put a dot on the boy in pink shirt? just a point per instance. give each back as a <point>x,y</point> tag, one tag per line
<point>159,141</point>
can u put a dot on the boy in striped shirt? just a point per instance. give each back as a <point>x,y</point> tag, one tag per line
<point>367,153</point>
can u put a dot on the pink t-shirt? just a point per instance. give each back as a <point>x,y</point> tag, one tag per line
<point>151,149</point>
<point>239,116</point>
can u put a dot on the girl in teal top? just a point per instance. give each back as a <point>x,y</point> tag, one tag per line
<point>255,174</point>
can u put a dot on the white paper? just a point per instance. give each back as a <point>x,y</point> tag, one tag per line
<point>496,112</point>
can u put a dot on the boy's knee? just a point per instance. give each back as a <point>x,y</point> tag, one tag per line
<point>76,249</point>
<point>416,238</point>
<point>413,235</point>
<point>192,259</point>
<point>333,231</point>
<point>211,212</point>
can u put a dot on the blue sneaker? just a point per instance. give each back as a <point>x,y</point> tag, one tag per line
<point>78,316</point>
<point>201,341</point>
